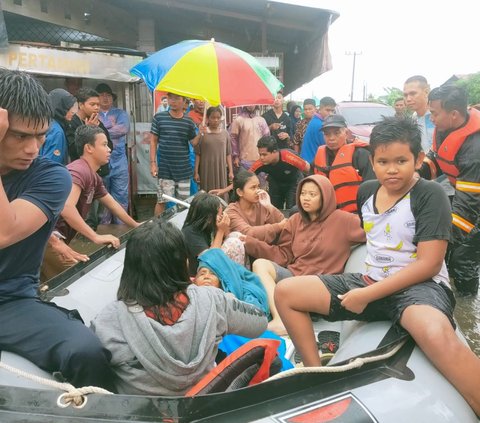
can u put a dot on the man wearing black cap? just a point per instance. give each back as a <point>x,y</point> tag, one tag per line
<point>118,125</point>
<point>346,165</point>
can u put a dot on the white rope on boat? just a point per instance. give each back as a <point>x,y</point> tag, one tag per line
<point>354,364</point>
<point>72,394</point>
<point>77,396</point>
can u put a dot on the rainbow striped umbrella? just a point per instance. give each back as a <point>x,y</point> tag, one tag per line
<point>210,71</point>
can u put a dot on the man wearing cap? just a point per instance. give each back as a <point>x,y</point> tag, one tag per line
<point>346,165</point>
<point>117,123</point>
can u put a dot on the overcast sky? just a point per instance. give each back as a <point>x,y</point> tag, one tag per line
<point>397,39</point>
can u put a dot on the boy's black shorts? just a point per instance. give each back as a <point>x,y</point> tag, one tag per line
<point>436,295</point>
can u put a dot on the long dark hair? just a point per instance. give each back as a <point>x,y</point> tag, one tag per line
<point>239,182</point>
<point>202,214</point>
<point>155,267</point>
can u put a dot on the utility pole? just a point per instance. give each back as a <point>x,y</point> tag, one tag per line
<point>355,54</point>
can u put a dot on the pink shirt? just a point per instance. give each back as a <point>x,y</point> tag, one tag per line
<point>245,132</point>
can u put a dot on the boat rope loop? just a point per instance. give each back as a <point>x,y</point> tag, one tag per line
<point>75,396</point>
<point>354,364</point>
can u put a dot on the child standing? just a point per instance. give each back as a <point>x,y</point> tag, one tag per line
<point>407,221</point>
<point>213,155</point>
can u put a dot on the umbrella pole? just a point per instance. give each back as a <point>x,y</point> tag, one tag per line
<point>205,107</point>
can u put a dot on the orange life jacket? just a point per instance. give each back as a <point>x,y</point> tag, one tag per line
<point>447,151</point>
<point>343,176</point>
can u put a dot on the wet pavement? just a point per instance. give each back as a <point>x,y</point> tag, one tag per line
<point>467,313</point>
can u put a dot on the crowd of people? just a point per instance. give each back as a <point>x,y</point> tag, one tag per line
<point>300,196</point>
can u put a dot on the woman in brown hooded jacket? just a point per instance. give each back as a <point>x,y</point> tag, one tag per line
<point>316,240</point>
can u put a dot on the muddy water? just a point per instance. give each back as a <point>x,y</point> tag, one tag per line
<point>467,313</point>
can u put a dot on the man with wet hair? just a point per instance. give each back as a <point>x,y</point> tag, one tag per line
<point>456,154</point>
<point>33,191</point>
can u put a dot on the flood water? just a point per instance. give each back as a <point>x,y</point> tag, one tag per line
<point>467,313</point>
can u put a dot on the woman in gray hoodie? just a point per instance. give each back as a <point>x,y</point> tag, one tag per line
<point>163,331</point>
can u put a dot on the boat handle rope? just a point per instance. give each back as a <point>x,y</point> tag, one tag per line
<point>354,364</point>
<point>75,396</point>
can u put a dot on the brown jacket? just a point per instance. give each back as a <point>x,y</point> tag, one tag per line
<point>318,247</point>
<point>262,223</point>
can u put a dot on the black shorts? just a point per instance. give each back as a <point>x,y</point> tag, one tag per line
<point>436,295</point>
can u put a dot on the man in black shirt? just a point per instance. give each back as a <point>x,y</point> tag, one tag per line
<point>279,122</point>
<point>88,108</point>
<point>284,169</point>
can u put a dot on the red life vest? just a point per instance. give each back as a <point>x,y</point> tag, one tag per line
<point>343,176</point>
<point>447,151</point>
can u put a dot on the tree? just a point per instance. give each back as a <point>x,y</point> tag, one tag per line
<point>472,85</point>
<point>392,94</point>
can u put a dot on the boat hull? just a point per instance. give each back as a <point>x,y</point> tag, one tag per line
<point>400,388</point>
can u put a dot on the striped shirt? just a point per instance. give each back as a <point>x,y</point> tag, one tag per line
<point>174,135</point>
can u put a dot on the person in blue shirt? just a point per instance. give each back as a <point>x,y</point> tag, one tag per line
<point>313,137</point>
<point>64,107</point>
<point>33,191</point>
<point>117,123</point>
